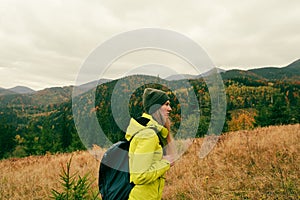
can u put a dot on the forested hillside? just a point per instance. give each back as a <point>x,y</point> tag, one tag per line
<point>42,122</point>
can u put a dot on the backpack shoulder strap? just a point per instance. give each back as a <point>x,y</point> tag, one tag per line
<point>134,135</point>
<point>137,133</point>
<point>156,131</point>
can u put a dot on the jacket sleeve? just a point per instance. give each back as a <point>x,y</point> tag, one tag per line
<point>145,162</point>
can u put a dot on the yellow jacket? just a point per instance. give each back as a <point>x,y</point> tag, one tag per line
<point>146,165</point>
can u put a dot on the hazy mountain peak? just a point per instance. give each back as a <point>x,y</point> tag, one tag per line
<point>294,65</point>
<point>21,90</point>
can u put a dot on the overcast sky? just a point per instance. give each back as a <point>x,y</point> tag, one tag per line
<point>43,43</point>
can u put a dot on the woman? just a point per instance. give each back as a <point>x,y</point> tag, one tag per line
<point>147,164</point>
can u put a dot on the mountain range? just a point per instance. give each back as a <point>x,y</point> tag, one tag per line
<point>16,90</point>
<point>289,73</point>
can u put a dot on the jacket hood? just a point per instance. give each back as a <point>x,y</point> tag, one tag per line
<point>134,127</point>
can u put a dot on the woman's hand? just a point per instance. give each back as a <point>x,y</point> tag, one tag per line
<point>170,158</point>
<point>168,123</point>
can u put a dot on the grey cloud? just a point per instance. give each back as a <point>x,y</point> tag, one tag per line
<point>51,39</point>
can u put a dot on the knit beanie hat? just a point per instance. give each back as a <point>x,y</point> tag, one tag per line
<point>153,99</point>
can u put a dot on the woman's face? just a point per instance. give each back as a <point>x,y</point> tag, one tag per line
<point>166,109</point>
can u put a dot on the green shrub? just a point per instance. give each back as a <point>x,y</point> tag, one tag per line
<point>74,187</point>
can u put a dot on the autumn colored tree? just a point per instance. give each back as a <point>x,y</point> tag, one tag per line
<point>242,120</point>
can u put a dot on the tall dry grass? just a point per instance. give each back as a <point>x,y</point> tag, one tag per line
<point>34,177</point>
<point>259,164</point>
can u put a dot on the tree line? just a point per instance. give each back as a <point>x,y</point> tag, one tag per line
<point>37,130</point>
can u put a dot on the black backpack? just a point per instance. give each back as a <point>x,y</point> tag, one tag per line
<point>114,178</point>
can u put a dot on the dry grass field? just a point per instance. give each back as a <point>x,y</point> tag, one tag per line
<point>260,164</point>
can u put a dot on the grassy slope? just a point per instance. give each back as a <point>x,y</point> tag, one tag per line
<point>259,164</point>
